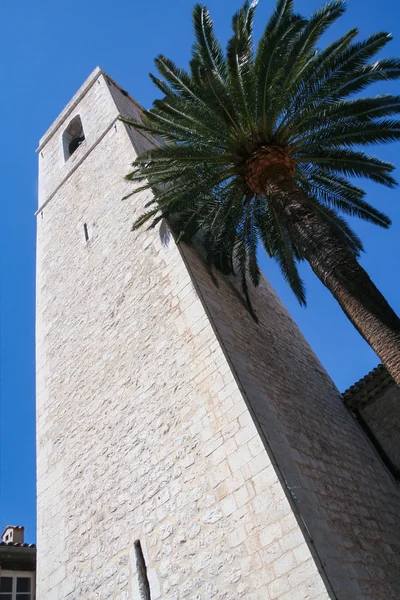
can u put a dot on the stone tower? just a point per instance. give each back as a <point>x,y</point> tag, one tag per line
<point>166,414</point>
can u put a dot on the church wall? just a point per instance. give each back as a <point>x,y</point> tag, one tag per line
<point>142,430</point>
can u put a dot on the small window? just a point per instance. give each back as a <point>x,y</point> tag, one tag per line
<point>16,586</point>
<point>73,137</point>
<point>6,585</point>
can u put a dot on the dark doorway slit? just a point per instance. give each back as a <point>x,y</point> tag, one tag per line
<point>144,586</point>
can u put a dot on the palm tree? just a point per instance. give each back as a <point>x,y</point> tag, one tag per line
<point>262,145</point>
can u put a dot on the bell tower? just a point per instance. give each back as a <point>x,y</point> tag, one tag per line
<point>166,414</point>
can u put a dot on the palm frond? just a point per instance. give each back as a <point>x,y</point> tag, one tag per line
<point>207,50</point>
<point>279,35</point>
<point>287,94</point>
<point>300,91</point>
<point>338,193</point>
<point>240,62</point>
<point>303,50</point>
<point>279,246</point>
<point>348,134</point>
<point>179,80</point>
<point>382,70</point>
<point>322,86</point>
<point>340,229</point>
<point>351,163</point>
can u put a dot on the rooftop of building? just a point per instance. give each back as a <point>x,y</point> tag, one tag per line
<point>369,386</point>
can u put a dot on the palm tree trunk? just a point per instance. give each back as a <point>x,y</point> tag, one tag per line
<point>338,269</point>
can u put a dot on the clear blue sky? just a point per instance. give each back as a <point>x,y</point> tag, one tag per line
<point>47,50</point>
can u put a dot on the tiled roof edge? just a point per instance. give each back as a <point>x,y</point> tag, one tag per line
<point>368,386</point>
<point>17,545</point>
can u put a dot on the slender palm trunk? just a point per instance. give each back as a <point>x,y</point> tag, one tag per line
<point>338,269</point>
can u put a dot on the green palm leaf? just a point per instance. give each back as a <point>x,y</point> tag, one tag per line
<point>207,49</point>
<point>261,141</point>
<point>240,63</point>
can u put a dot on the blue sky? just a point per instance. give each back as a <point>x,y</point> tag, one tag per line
<point>47,50</point>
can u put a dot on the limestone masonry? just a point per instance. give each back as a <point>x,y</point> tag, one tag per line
<point>166,414</point>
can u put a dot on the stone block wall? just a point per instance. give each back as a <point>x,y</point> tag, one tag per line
<point>165,413</point>
<point>346,497</point>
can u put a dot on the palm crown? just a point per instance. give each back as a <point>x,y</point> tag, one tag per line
<point>285,102</point>
<point>263,145</point>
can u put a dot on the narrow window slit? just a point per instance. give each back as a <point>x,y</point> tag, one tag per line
<point>86,232</point>
<point>144,586</point>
